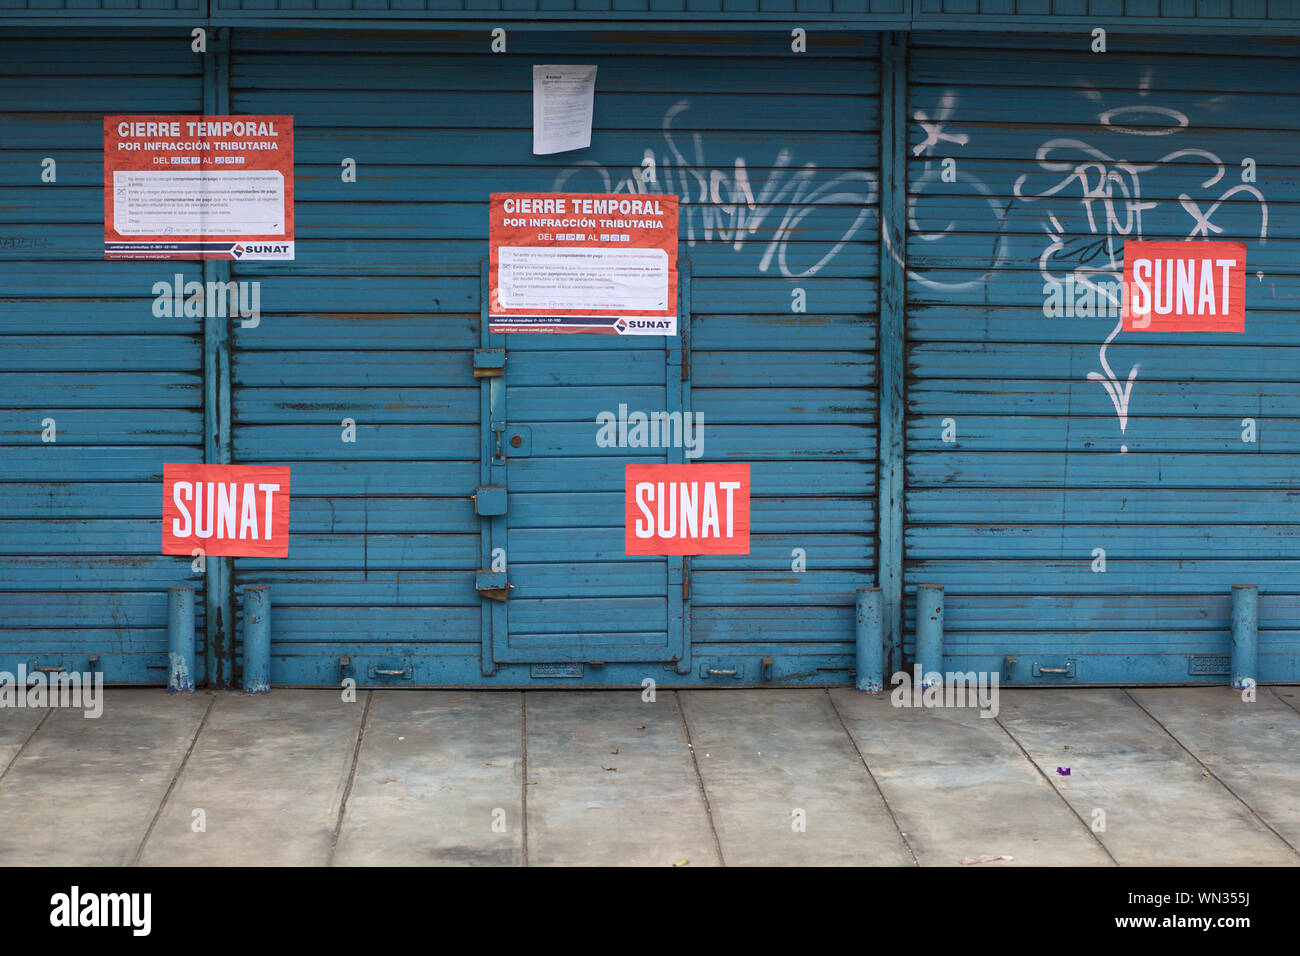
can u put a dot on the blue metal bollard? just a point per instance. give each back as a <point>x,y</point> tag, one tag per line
<point>180,640</point>
<point>1245,634</point>
<point>870,640</point>
<point>257,639</point>
<point>929,631</point>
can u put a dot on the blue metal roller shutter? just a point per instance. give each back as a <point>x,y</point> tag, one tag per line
<point>794,393</point>
<point>376,319</point>
<point>1008,515</point>
<point>81,572</point>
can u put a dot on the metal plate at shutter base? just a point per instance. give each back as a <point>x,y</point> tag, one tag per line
<point>556,670</point>
<point>722,670</point>
<point>391,671</point>
<point>1202,664</point>
<point>1055,669</point>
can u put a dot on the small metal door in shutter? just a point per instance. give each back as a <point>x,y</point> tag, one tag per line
<point>96,391</point>
<point>1086,496</point>
<point>575,599</point>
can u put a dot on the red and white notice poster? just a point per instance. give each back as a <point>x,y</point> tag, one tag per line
<point>198,187</point>
<point>686,509</point>
<point>583,262</point>
<point>1184,286</point>
<point>233,511</point>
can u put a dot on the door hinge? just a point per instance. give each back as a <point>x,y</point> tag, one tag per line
<point>489,500</point>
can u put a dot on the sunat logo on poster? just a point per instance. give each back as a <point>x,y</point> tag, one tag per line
<point>686,509</point>
<point>227,510</point>
<point>1184,286</point>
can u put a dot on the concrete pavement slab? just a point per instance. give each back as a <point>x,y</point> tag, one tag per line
<point>1288,695</point>
<point>612,782</point>
<point>84,790</point>
<point>1160,808</point>
<point>439,781</point>
<point>268,771</point>
<point>765,755</point>
<point>961,788</point>
<point>16,726</point>
<point>1254,748</point>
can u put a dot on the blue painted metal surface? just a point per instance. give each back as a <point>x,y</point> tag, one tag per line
<point>180,640</point>
<point>1245,636</point>
<point>1069,517</point>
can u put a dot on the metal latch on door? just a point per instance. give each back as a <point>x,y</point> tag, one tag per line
<point>492,584</point>
<point>489,363</point>
<point>520,441</point>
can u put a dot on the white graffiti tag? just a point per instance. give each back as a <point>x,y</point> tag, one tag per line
<point>1107,204</point>
<point>930,176</point>
<point>934,133</point>
<point>721,204</point>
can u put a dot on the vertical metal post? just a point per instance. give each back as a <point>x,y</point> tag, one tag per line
<point>257,639</point>
<point>1245,635</point>
<point>929,632</point>
<point>870,640</point>
<point>180,640</point>
<point>219,646</point>
<point>893,275</point>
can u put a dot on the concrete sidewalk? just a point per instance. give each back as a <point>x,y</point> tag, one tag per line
<point>788,777</point>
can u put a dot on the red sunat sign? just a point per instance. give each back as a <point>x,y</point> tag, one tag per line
<point>1184,286</point>
<point>686,509</point>
<point>227,510</point>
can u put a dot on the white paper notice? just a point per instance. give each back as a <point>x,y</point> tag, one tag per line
<point>535,277</point>
<point>563,97</point>
<point>217,202</point>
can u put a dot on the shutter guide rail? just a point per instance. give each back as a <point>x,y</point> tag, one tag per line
<point>219,657</point>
